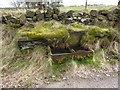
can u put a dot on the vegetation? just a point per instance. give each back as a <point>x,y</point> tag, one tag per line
<point>29,84</point>
<point>86,61</point>
<point>54,29</point>
<point>36,63</point>
<point>112,61</point>
<point>78,8</point>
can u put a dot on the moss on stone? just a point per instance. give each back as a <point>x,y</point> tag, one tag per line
<point>55,30</point>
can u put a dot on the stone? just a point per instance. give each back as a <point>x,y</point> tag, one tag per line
<point>56,10</point>
<point>116,11</point>
<point>93,70</point>
<point>48,19</point>
<point>111,17</point>
<point>49,10</point>
<point>68,21</point>
<point>8,22</point>
<point>29,19</point>
<point>62,16</point>
<point>38,12</point>
<point>23,18</point>
<point>85,15</point>
<point>40,16</point>
<point>8,17</point>
<point>101,17</point>
<point>3,20</point>
<point>15,21</point>
<point>94,13</point>
<point>30,25</point>
<point>104,12</point>
<point>64,78</point>
<point>47,82</point>
<point>34,19</point>
<point>55,16</point>
<point>53,76</point>
<point>107,75</point>
<point>47,15</point>
<point>40,6</point>
<point>30,14</point>
<point>78,19</point>
<point>80,14</point>
<point>70,14</point>
<point>87,21</point>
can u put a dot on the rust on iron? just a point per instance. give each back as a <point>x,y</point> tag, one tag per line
<point>79,54</point>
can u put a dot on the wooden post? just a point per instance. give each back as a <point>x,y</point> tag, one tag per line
<point>118,3</point>
<point>86,4</point>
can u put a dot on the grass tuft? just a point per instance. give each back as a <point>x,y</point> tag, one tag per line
<point>112,61</point>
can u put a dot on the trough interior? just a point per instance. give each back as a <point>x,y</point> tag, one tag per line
<point>66,50</point>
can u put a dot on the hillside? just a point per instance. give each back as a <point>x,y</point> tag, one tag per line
<point>51,48</point>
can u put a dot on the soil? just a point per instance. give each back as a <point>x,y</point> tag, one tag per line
<point>78,82</point>
<point>83,77</point>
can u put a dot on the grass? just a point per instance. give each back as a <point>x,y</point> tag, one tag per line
<point>33,60</point>
<point>29,84</point>
<point>86,61</point>
<point>112,61</point>
<point>58,67</point>
<point>78,8</point>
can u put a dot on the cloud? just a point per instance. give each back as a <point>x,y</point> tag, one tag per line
<point>5,3</point>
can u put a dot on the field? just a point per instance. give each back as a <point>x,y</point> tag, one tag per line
<point>76,8</point>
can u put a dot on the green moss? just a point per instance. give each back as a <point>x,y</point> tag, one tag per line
<point>15,25</point>
<point>54,29</point>
<point>93,34</point>
<point>97,31</point>
<point>100,18</point>
<point>78,25</point>
<point>42,29</point>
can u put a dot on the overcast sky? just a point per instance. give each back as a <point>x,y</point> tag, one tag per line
<point>6,3</point>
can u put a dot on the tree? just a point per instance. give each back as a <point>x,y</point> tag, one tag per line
<point>15,3</point>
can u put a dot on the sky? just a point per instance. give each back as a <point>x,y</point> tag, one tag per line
<point>6,3</point>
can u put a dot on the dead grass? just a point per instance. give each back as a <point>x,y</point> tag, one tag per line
<point>24,68</point>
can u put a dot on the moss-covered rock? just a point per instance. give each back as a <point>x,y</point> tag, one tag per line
<point>94,13</point>
<point>59,35</point>
<point>104,12</point>
<point>30,14</point>
<point>101,18</point>
<point>92,36</point>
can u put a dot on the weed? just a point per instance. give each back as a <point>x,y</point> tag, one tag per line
<point>86,61</point>
<point>112,61</point>
<point>29,83</point>
<point>78,8</point>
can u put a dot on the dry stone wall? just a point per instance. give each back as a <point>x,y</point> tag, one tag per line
<point>65,38</point>
<point>94,17</point>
